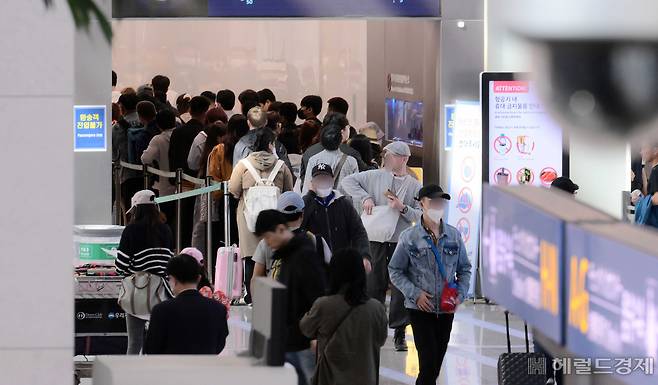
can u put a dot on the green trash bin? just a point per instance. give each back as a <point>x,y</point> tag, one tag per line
<point>96,244</point>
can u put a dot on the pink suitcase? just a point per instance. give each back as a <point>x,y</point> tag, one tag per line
<point>229,267</point>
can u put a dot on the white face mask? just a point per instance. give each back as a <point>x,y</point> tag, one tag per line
<point>435,214</point>
<point>324,192</point>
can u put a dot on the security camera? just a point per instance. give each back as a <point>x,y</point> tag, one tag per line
<point>595,61</point>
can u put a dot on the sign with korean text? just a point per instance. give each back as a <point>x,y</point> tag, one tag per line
<point>525,145</point>
<point>89,128</point>
<point>449,129</point>
<point>465,182</point>
<point>521,264</point>
<point>612,304</point>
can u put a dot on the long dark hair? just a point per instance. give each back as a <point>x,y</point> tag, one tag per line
<point>264,137</point>
<point>347,276</point>
<point>309,134</point>
<point>216,134</point>
<point>237,127</point>
<point>150,217</point>
<point>361,143</point>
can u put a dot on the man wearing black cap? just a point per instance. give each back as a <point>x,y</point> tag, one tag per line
<point>431,268</point>
<point>330,214</point>
<point>565,184</point>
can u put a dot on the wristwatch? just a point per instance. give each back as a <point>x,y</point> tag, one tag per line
<point>404,210</point>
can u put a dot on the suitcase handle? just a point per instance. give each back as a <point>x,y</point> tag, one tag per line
<point>509,343</point>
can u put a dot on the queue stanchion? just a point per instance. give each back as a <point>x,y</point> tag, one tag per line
<point>209,249</point>
<point>118,212</point>
<point>227,242</point>
<point>145,172</point>
<point>179,189</point>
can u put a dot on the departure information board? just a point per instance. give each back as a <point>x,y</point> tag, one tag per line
<point>275,8</point>
<point>323,8</point>
<point>521,260</point>
<point>612,310</point>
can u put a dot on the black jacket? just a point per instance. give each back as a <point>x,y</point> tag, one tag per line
<point>187,324</point>
<point>180,145</point>
<point>318,147</point>
<point>339,224</point>
<point>304,279</point>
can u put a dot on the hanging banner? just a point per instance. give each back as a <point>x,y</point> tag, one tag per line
<point>465,181</point>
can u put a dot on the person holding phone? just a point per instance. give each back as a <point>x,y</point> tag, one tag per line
<point>387,199</point>
<point>431,268</point>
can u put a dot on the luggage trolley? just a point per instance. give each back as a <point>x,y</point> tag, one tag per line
<point>100,324</point>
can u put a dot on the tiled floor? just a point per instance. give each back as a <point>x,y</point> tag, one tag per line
<point>478,338</point>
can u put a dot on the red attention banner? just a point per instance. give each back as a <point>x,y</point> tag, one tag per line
<point>510,87</point>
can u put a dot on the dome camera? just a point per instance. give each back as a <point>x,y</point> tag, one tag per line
<point>595,61</point>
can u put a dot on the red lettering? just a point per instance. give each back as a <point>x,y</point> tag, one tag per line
<point>511,87</point>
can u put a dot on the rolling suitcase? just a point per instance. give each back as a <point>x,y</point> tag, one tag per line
<point>228,272</point>
<point>521,368</point>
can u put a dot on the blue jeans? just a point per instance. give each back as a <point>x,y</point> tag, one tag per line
<point>304,363</point>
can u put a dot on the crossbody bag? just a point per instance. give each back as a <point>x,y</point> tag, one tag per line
<point>449,294</point>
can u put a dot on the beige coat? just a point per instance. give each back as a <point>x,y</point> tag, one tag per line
<point>241,180</point>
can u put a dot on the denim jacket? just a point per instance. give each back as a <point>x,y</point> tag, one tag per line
<point>413,266</point>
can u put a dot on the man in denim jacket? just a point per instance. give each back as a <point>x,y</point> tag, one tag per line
<point>414,271</point>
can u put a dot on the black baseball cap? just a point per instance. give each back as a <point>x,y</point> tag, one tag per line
<point>322,169</point>
<point>432,191</point>
<point>565,184</point>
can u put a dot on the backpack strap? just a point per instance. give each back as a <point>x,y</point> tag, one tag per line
<point>275,171</point>
<point>339,168</point>
<point>252,170</point>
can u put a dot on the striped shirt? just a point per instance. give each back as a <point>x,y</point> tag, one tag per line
<point>144,249</point>
<point>153,260</point>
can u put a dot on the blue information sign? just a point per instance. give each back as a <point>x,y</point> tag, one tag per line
<point>324,8</point>
<point>449,129</point>
<point>612,312</point>
<point>89,128</point>
<point>521,264</point>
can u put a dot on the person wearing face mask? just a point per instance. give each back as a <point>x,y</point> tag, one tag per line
<point>292,206</point>
<point>431,268</point>
<point>387,198</point>
<point>331,215</point>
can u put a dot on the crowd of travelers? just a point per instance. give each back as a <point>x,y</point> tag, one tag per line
<point>316,204</point>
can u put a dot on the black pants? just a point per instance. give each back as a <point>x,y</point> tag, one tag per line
<point>249,265</point>
<point>187,221</point>
<point>431,336</point>
<point>378,284</point>
<point>169,211</point>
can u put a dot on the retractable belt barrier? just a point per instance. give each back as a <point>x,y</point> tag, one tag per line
<point>209,186</point>
<point>189,194</point>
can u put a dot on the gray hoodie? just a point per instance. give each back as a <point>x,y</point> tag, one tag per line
<point>374,183</point>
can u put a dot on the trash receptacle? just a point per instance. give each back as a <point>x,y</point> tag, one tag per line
<point>96,244</point>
